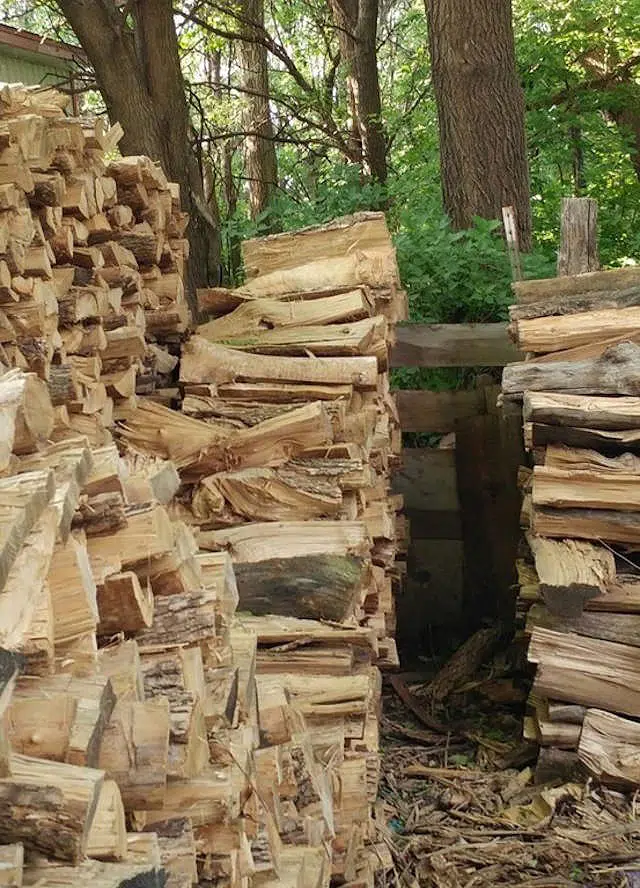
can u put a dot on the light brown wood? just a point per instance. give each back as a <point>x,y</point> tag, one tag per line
<point>609,747</point>
<point>108,834</point>
<point>575,488</point>
<point>124,604</point>
<point>61,800</point>
<point>206,362</point>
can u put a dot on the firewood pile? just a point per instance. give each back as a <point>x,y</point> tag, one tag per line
<point>195,603</point>
<point>580,579</point>
<point>92,252</point>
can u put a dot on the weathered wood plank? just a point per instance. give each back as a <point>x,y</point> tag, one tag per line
<point>427,479</point>
<point>453,345</point>
<point>425,411</point>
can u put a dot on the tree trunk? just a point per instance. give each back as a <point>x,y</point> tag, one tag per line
<point>483,155</point>
<point>139,77</point>
<point>260,149</point>
<point>357,24</point>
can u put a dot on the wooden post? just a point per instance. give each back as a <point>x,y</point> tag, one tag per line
<point>511,237</point>
<point>578,251</point>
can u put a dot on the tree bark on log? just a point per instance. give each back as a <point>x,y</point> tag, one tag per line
<point>320,587</point>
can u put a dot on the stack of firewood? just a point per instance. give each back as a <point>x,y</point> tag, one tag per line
<point>284,445</point>
<point>580,579</point>
<point>92,252</point>
<point>147,729</point>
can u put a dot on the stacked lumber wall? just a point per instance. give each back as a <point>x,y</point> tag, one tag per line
<point>193,609</point>
<point>579,579</point>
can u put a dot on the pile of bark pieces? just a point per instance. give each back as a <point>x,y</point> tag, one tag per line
<point>92,252</point>
<point>580,575</point>
<point>285,441</point>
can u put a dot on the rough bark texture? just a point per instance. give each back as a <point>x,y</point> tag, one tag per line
<point>138,73</point>
<point>357,22</point>
<point>260,149</point>
<point>480,103</point>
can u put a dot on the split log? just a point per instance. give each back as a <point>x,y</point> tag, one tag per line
<point>567,489</point>
<point>571,572</point>
<point>181,620</point>
<point>581,412</point>
<point>624,628</point>
<point>124,605</point>
<point>11,864</point>
<point>258,542</point>
<point>22,502</point>
<point>134,752</point>
<point>27,414</point>
<point>586,670</point>
<point>572,285</point>
<point>538,435</point>
<point>73,590</point>
<point>20,596</point>
<point>608,747</point>
<point>323,587</point>
<point>108,834</point>
<point>98,874</point>
<point>576,304</point>
<point>49,806</point>
<point>253,315</point>
<point>204,361</point>
<point>552,334</point>
<point>61,718</point>
<point>148,534</point>
<point>614,373</point>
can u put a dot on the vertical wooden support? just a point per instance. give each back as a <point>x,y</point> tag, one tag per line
<point>511,236</point>
<point>578,251</point>
<point>488,454</point>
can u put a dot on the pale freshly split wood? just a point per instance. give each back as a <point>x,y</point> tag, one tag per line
<point>583,459</point>
<point>204,361</point>
<point>20,595</point>
<point>61,717</point>
<point>571,488</point>
<point>108,834</point>
<point>22,501</point>
<point>286,630</point>
<point>124,604</point>
<point>11,864</point>
<point>22,423</point>
<point>581,411</point>
<point>209,798</point>
<point>610,747</point>
<point>550,334</point>
<point>614,373</point>
<point>134,752</point>
<point>262,494</point>
<point>253,315</point>
<point>98,874</point>
<point>257,542</point>
<point>365,337</point>
<point>586,670</point>
<point>364,231</point>
<point>219,578</point>
<point>150,478</point>
<point>177,846</point>
<point>148,534</point>
<point>73,590</point>
<point>120,662</point>
<point>570,572</point>
<point>282,393</point>
<point>57,806</point>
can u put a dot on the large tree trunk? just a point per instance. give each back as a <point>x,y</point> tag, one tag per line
<point>260,149</point>
<point>138,73</point>
<point>357,24</point>
<point>483,155</point>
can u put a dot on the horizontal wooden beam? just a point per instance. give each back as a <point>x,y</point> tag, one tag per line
<point>453,345</point>
<point>425,411</point>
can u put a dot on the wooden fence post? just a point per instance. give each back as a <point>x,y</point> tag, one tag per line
<point>578,251</point>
